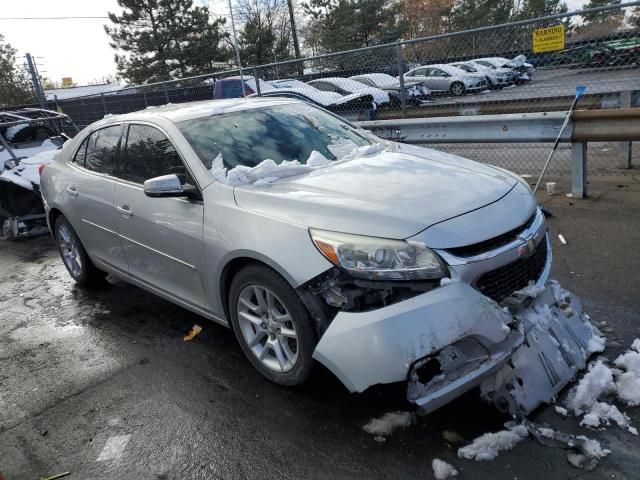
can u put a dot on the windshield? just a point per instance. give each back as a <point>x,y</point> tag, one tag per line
<point>486,64</point>
<point>466,68</point>
<point>279,133</point>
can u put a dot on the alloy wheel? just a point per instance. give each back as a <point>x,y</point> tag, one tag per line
<point>267,328</point>
<point>69,250</point>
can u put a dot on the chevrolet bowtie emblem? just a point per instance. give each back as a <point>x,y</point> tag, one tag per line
<point>527,249</point>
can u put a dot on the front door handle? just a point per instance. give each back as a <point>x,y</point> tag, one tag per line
<point>125,211</point>
<point>72,191</point>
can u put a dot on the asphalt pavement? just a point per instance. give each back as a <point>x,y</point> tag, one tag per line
<point>100,382</point>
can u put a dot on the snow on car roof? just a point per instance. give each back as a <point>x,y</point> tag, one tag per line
<point>187,111</point>
<point>380,79</point>
<point>346,83</point>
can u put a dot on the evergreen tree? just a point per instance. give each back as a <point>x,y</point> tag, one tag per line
<point>15,87</point>
<point>165,39</point>
<point>635,17</point>
<point>467,14</point>
<point>612,17</point>
<point>540,8</point>
<point>346,24</point>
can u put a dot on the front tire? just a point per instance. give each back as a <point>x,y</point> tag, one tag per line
<point>457,89</point>
<point>74,256</point>
<point>272,325</point>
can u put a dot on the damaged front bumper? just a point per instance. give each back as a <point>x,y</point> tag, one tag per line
<point>449,340</point>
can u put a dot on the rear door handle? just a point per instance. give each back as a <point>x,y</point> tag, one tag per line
<point>125,211</point>
<point>72,191</point>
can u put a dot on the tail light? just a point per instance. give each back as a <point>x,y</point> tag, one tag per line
<point>41,169</point>
<point>248,91</point>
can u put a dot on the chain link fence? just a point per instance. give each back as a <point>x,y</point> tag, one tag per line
<point>490,70</point>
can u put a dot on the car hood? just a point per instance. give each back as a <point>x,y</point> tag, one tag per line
<point>395,193</point>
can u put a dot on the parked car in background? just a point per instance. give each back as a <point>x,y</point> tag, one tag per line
<point>415,92</point>
<point>346,86</point>
<point>315,241</point>
<point>496,78</point>
<point>358,106</point>
<point>445,78</point>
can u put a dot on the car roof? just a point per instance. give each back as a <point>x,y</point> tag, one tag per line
<point>190,110</point>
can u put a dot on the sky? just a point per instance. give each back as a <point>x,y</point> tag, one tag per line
<point>77,48</point>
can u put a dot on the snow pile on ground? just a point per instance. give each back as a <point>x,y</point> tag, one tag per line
<point>602,413</point>
<point>628,381</point>
<point>27,172</point>
<point>442,470</point>
<point>269,171</point>
<point>599,381</point>
<point>387,423</point>
<point>489,445</point>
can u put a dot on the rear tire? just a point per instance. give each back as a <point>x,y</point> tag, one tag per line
<point>457,89</point>
<point>74,256</point>
<point>272,325</point>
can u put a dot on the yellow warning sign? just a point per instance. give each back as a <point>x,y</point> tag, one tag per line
<point>548,39</point>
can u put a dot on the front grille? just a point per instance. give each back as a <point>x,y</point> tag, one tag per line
<point>492,243</point>
<point>498,284</point>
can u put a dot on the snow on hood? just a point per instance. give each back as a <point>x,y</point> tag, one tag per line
<point>269,171</point>
<point>27,172</point>
<point>414,188</point>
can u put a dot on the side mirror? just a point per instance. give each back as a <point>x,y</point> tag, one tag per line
<point>164,186</point>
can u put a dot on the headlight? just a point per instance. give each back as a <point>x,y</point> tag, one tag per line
<point>378,258</point>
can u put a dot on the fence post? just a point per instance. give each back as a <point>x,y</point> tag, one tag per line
<point>255,75</point>
<point>144,97</point>
<point>166,93</point>
<point>55,101</point>
<point>403,98</point>
<point>625,147</point>
<point>579,169</point>
<point>104,103</point>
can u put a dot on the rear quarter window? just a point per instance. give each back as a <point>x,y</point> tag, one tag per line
<point>102,150</point>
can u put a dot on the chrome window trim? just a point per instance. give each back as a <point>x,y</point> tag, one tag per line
<point>535,232</point>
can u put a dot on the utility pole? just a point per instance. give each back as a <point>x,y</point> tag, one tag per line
<point>37,88</point>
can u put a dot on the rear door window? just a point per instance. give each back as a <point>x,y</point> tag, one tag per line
<point>149,154</point>
<point>102,150</point>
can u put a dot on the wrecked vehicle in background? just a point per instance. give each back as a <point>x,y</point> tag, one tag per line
<point>29,138</point>
<point>356,106</point>
<point>314,239</point>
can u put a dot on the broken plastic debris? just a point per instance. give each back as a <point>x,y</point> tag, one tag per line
<point>452,437</point>
<point>195,330</point>
<point>52,477</point>
<point>442,470</point>
<point>387,423</point>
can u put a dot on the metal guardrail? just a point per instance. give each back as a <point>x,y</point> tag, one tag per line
<point>509,128</point>
<point>621,124</point>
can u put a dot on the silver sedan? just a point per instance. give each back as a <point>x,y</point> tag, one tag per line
<point>315,240</point>
<point>445,78</point>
